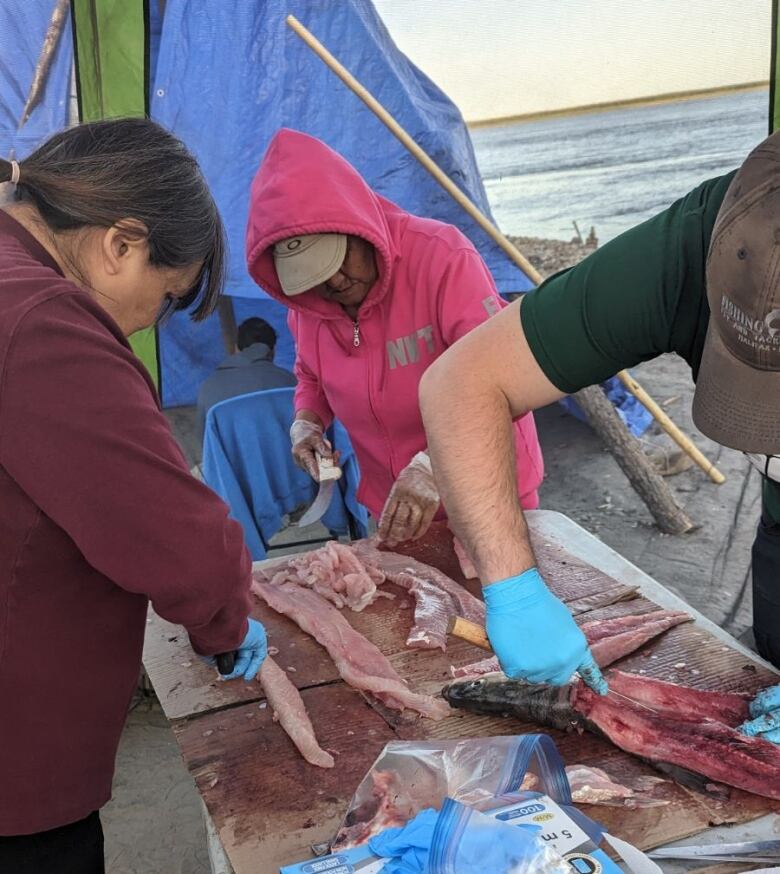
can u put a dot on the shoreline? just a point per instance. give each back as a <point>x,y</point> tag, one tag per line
<point>634,102</point>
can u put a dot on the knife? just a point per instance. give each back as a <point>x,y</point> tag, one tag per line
<point>328,474</point>
<point>755,851</point>
<point>477,636</point>
<point>226,661</point>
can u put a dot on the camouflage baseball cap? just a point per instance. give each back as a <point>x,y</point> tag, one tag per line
<point>737,398</point>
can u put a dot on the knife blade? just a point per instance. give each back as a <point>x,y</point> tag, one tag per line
<point>328,474</point>
<point>755,851</point>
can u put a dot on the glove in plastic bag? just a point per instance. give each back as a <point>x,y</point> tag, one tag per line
<point>465,841</point>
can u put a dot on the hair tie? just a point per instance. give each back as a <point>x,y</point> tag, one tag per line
<point>15,173</point>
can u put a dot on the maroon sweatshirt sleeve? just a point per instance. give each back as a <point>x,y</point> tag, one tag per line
<point>82,434</point>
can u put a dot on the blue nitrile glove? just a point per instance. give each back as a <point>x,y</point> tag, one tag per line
<point>765,710</point>
<point>407,847</point>
<point>534,635</point>
<point>249,656</point>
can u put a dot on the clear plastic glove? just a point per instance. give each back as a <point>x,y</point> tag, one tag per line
<point>412,503</point>
<point>308,441</point>
<point>408,846</point>
<point>534,635</point>
<point>249,656</point>
<point>765,710</point>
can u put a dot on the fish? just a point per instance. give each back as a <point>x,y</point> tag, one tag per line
<point>687,733</point>
<point>609,639</point>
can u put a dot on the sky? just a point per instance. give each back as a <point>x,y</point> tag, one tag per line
<point>497,58</point>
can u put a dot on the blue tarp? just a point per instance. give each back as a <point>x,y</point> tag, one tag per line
<point>229,74</point>
<point>24,25</point>
<point>225,77</point>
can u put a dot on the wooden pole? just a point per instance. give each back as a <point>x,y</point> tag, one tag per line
<point>41,73</point>
<point>682,440</point>
<point>493,232</point>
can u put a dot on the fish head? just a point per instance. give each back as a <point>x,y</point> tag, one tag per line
<point>464,691</point>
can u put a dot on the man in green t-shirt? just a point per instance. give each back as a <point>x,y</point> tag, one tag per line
<point>701,279</point>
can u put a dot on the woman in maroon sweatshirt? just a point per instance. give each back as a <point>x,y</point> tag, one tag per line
<point>111,225</point>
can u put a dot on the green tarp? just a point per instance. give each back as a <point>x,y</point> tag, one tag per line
<point>111,40</point>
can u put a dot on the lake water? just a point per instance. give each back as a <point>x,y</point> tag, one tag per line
<point>612,169</point>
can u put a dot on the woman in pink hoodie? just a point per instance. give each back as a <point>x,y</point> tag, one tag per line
<point>375,295</point>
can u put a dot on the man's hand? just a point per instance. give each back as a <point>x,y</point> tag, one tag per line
<point>308,441</point>
<point>765,710</point>
<point>412,503</point>
<point>534,635</point>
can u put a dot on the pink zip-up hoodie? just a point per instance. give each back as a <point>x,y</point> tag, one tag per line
<point>432,288</point>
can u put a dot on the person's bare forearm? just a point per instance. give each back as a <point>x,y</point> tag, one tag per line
<point>471,445</point>
<point>469,397</point>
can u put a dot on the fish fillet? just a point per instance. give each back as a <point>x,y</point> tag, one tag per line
<point>433,608</point>
<point>609,639</point>
<point>613,639</point>
<point>290,711</point>
<point>393,563</point>
<point>357,660</point>
<point>594,786</point>
<point>333,571</point>
<point>437,597</point>
<point>348,576</point>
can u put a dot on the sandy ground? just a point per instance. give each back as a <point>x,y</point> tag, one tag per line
<point>154,823</point>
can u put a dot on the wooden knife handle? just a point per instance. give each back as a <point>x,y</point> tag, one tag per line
<point>470,632</point>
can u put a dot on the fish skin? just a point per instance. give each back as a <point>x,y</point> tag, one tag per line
<point>540,704</point>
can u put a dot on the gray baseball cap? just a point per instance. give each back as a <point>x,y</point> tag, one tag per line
<point>737,398</point>
<point>306,261</point>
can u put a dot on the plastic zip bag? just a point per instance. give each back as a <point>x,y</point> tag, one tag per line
<point>409,776</point>
<point>465,840</point>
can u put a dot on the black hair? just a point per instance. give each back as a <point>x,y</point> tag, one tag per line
<point>255,330</point>
<point>130,168</point>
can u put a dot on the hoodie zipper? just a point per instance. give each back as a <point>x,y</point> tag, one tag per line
<point>372,408</point>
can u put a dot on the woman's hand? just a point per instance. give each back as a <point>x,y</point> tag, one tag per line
<point>308,441</point>
<point>412,503</point>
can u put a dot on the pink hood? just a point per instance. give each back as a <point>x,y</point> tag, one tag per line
<point>432,288</point>
<point>304,187</point>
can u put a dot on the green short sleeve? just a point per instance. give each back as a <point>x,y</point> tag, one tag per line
<point>771,499</point>
<point>638,296</point>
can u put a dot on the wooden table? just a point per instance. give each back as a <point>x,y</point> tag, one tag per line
<point>269,806</point>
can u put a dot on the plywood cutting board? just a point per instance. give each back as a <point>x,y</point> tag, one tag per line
<point>244,758</point>
<point>267,803</point>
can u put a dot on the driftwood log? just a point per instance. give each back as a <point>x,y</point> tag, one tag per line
<point>627,451</point>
